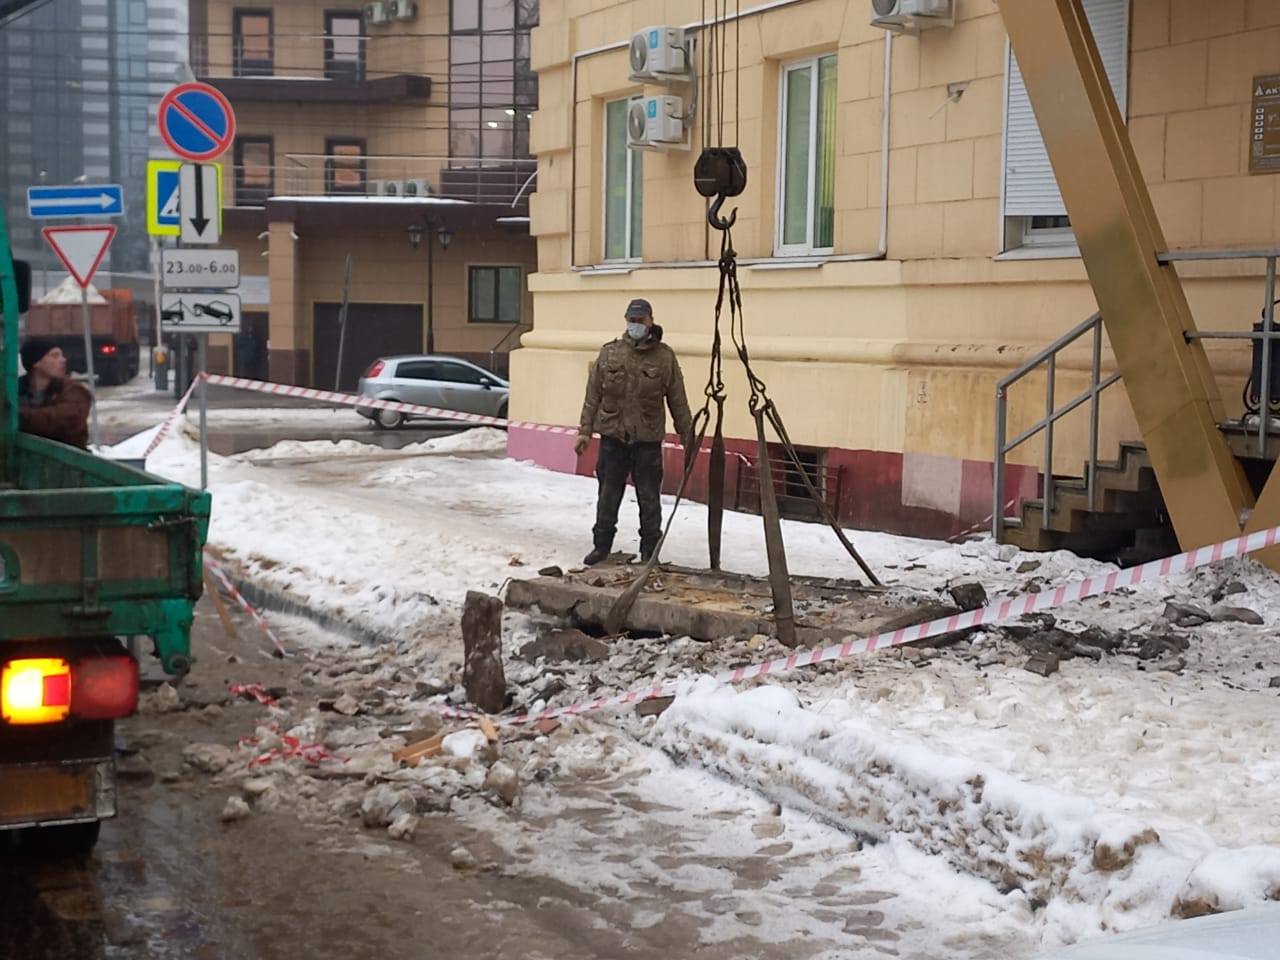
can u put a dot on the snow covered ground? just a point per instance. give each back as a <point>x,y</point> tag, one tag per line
<point>1105,796</point>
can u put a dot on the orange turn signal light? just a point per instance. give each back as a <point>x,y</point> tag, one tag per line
<point>35,690</point>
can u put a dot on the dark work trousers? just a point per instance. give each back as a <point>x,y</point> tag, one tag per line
<point>642,462</point>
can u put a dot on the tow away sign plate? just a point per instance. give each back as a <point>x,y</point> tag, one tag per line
<point>200,313</point>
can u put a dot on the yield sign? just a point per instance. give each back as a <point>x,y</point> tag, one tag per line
<point>80,248</point>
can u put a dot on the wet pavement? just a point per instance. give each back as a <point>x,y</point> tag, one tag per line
<point>168,879</point>
<point>596,867</point>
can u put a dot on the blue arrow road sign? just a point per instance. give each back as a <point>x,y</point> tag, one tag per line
<point>81,200</point>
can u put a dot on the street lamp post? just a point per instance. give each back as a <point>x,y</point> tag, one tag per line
<point>444,236</point>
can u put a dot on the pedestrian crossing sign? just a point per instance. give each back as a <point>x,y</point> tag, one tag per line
<point>162,197</point>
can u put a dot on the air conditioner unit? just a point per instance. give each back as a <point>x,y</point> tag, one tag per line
<point>402,9</point>
<point>912,16</point>
<point>375,12</point>
<point>416,188</point>
<point>659,54</point>
<point>386,188</point>
<point>655,121</point>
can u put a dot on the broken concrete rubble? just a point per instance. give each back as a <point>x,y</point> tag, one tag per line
<point>503,781</point>
<point>564,644</point>
<point>234,809</point>
<point>384,803</point>
<point>207,757</point>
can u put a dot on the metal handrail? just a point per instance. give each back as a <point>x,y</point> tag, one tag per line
<point>1266,335</point>
<point>1049,358</point>
<point>493,351</point>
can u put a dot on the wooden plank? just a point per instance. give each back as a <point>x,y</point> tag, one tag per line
<point>414,753</point>
<point>211,589</point>
<point>488,729</point>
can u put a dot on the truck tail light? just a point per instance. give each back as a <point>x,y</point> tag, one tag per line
<point>375,368</point>
<point>105,688</point>
<point>50,689</point>
<point>35,690</point>
<point>107,348</point>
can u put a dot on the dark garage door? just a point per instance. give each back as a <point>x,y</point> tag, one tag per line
<point>373,330</point>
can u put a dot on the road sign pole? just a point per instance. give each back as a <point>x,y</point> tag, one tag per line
<point>88,362</point>
<point>202,341</point>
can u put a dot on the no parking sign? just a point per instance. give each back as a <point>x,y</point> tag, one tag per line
<point>196,121</point>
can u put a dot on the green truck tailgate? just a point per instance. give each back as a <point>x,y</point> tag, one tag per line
<point>90,547</point>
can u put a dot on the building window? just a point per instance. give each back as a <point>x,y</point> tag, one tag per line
<point>492,88</point>
<point>1034,214</point>
<point>495,294</point>
<point>255,161</point>
<point>807,183</point>
<point>344,166</point>
<point>344,45</point>
<point>253,43</point>
<point>623,187</point>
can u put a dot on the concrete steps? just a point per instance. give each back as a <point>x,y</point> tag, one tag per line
<point>1126,522</point>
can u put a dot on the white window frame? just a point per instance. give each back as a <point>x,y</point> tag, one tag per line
<point>634,157</point>
<point>1018,231</point>
<point>780,248</point>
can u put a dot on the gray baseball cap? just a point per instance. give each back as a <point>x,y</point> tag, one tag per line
<point>639,308</point>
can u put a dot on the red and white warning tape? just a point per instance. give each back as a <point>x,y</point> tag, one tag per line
<point>995,613</point>
<point>290,746</point>
<point>353,400</point>
<point>170,420</point>
<point>983,524</point>
<point>245,604</point>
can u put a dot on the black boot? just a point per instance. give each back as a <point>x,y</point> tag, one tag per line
<point>595,556</point>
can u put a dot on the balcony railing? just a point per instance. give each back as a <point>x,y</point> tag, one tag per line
<point>320,56</point>
<point>498,182</point>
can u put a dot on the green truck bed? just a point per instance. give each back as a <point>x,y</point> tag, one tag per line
<point>89,547</point>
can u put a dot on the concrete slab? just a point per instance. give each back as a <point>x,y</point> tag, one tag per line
<point>714,605</point>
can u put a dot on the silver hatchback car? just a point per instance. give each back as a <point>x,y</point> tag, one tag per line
<point>431,380</point>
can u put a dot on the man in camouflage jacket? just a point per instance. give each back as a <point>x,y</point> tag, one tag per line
<point>632,378</point>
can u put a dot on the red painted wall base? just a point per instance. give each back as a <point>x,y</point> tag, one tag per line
<point>915,495</point>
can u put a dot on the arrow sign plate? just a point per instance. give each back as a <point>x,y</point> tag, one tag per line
<point>80,248</point>
<point>199,313</point>
<point>183,269</point>
<point>198,203</point>
<point>79,200</point>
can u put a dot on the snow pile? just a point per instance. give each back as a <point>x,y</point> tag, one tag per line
<point>295,449</point>
<point>478,440</point>
<point>1088,867</point>
<point>132,448</point>
<point>68,291</point>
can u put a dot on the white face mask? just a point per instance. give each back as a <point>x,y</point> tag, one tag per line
<point>637,331</point>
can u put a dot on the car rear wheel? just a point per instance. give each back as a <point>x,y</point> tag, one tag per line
<point>388,419</point>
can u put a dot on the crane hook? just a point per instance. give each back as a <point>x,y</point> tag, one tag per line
<point>717,221</point>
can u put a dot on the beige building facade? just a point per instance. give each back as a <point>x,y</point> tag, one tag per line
<point>901,241</point>
<point>390,135</point>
